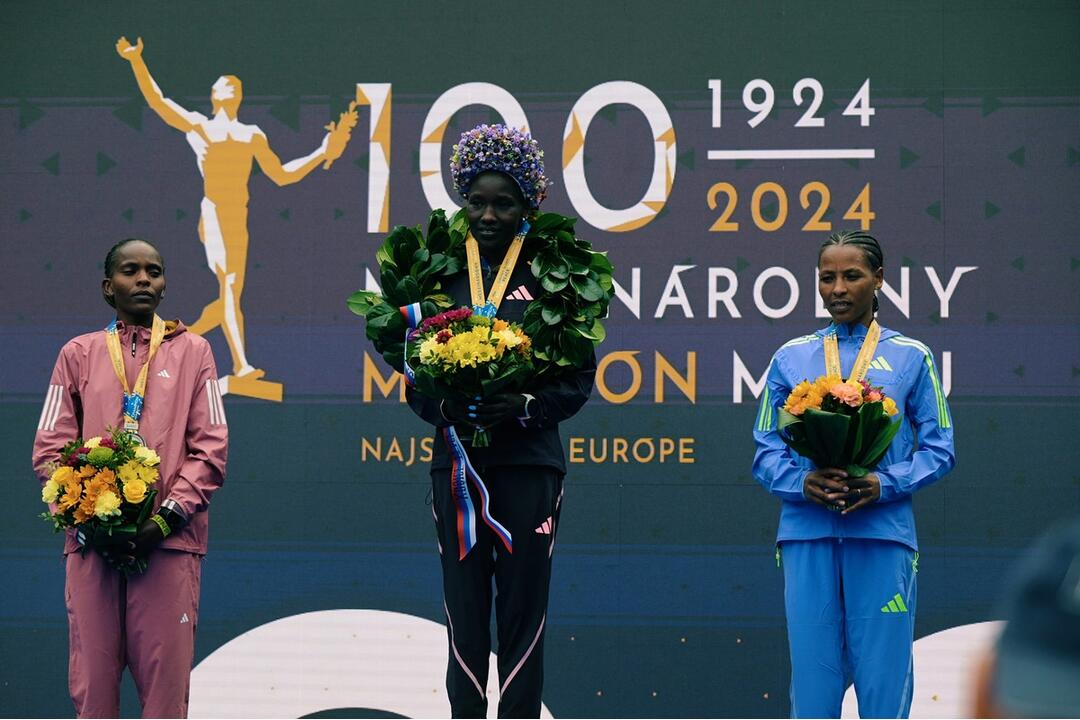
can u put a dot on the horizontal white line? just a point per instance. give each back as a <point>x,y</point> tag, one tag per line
<point>824,154</point>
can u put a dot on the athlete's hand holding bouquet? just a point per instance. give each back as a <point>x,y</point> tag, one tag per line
<point>103,487</point>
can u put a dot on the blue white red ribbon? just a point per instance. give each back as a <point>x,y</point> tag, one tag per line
<point>413,315</point>
<point>461,474</point>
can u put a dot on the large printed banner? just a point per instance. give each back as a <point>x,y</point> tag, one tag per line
<point>708,148</point>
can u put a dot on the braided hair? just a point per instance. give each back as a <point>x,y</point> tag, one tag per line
<point>866,242</point>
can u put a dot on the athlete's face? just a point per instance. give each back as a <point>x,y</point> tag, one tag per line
<point>136,284</point>
<point>495,208</point>
<point>847,284</point>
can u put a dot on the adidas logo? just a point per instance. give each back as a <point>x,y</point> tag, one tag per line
<point>164,374</point>
<point>184,619</point>
<point>545,527</point>
<point>896,605</point>
<point>522,293</point>
<point>880,363</point>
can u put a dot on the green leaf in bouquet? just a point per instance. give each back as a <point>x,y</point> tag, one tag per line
<point>459,224</point>
<point>437,263</point>
<point>552,314</point>
<point>389,277</point>
<point>362,302</point>
<point>437,223</point>
<point>827,433</point>
<point>420,257</point>
<point>876,447</point>
<point>559,268</point>
<point>587,288</point>
<point>540,265</point>
<point>453,266</point>
<point>409,290</point>
<point>147,507</point>
<point>553,284</point>
<point>442,301</point>
<point>599,262</point>
<point>594,331</point>
<point>547,221</point>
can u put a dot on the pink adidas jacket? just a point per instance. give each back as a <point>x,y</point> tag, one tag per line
<point>183,419</point>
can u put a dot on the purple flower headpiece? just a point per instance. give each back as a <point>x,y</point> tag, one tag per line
<point>503,149</point>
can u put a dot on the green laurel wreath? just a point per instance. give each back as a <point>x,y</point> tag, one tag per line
<point>564,323</point>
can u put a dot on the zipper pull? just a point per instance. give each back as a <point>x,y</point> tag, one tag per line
<point>133,336</point>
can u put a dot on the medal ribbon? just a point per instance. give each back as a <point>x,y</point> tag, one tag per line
<point>862,361</point>
<point>489,306</point>
<point>133,399</point>
<point>461,474</point>
<point>413,315</point>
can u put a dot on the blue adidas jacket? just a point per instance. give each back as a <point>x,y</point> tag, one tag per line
<point>921,453</point>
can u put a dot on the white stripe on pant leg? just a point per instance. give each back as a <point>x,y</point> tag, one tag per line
<point>457,655</point>
<point>509,679</point>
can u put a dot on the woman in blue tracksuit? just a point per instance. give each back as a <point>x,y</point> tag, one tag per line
<point>847,545</point>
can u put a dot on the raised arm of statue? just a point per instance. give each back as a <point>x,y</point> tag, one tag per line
<point>173,115</point>
<point>333,145</point>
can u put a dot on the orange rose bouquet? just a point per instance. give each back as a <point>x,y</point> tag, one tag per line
<point>102,487</point>
<point>839,424</point>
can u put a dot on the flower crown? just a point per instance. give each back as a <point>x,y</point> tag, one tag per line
<point>503,149</point>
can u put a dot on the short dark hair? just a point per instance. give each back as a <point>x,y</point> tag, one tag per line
<point>110,261</point>
<point>110,257</point>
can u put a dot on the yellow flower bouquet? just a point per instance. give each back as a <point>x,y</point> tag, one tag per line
<point>102,487</point>
<point>840,424</point>
<point>460,355</point>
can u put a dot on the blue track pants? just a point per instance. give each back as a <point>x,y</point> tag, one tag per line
<point>850,608</point>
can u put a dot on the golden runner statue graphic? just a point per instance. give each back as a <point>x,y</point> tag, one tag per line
<point>224,150</point>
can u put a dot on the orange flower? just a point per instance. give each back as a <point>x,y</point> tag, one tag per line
<point>105,477</point>
<point>72,493</point>
<point>889,406</point>
<point>848,393</point>
<point>85,511</point>
<point>87,471</point>
<point>500,324</point>
<point>814,398</point>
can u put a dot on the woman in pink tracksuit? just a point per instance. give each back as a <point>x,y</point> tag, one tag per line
<point>146,621</point>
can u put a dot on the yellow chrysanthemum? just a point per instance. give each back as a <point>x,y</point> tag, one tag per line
<point>889,406</point>
<point>507,338</point>
<point>148,475</point>
<point>107,505</point>
<point>62,475</point>
<point>92,442</point>
<point>129,471</point>
<point>50,491</point>
<point>135,491</point>
<point>147,456</point>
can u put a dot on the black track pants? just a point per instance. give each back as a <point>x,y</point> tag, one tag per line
<point>526,501</point>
